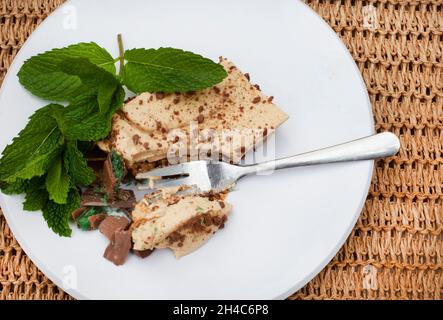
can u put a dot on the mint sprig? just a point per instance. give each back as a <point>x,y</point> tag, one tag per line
<point>169,70</point>
<point>46,160</point>
<point>33,151</point>
<point>42,76</point>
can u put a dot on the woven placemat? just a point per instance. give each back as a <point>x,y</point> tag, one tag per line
<point>396,249</point>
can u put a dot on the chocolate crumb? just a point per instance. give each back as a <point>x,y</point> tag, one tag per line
<point>247,76</point>
<point>158,125</point>
<point>129,99</point>
<point>217,90</point>
<point>143,253</point>
<point>256,100</point>
<point>159,95</point>
<point>200,118</point>
<point>136,138</point>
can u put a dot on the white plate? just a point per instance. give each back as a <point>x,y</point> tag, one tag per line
<point>284,228</point>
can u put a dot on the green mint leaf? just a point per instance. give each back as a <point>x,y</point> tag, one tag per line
<point>82,120</point>
<point>36,195</point>
<point>17,187</point>
<point>57,216</point>
<point>170,70</point>
<point>42,76</point>
<point>95,78</point>
<point>36,146</point>
<point>77,166</point>
<point>58,182</point>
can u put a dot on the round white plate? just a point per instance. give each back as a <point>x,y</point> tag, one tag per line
<point>285,227</point>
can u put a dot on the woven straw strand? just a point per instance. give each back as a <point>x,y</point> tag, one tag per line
<point>396,248</point>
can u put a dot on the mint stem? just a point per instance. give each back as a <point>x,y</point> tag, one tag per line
<point>121,55</point>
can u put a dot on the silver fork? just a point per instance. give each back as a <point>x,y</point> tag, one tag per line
<point>219,176</point>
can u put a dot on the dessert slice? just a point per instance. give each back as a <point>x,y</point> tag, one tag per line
<point>182,223</point>
<point>226,120</point>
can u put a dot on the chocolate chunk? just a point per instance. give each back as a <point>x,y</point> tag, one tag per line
<point>109,179</point>
<point>96,220</point>
<point>143,253</point>
<point>77,213</point>
<point>119,247</point>
<point>111,224</point>
<point>93,198</point>
<point>114,171</point>
<point>123,199</point>
<point>83,222</point>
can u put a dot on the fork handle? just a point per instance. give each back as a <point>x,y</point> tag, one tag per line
<point>372,147</point>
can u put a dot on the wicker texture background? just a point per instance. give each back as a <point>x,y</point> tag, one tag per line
<point>396,248</point>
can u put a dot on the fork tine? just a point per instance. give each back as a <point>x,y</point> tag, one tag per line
<point>168,183</point>
<point>177,169</point>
